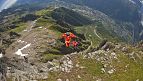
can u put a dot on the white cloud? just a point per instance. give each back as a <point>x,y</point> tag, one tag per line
<point>132,1</point>
<point>141,1</point>
<point>7,4</point>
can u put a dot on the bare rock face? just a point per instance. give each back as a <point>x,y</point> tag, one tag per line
<point>3,68</point>
<point>17,69</point>
<point>26,71</point>
<point>65,64</point>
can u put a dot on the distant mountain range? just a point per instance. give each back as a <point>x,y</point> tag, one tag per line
<point>126,13</point>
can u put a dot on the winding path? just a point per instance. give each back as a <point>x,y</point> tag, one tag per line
<point>97,34</point>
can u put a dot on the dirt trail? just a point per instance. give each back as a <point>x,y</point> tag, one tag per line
<point>30,41</point>
<point>95,32</point>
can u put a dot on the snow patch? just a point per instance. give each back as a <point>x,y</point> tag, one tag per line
<point>20,41</point>
<point>1,55</point>
<point>78,76</point>
<point>19,52</point>
<point>137,80</point>
<point>111,71</point>
<point>25,30</point>
<point>59,79</point>
<point>40,27</point>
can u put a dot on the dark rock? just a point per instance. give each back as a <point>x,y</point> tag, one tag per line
<point>14,34</point>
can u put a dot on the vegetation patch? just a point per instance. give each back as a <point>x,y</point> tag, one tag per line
<point>49,57</point>
<point>91,66</point>
<point>70,17</point>
<point>127,69</point>
<point>20,27</point>
<point>44,22</point>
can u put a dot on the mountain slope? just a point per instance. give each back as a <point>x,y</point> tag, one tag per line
<point>70,17</point>
<point>123,9</point>
<point>40,39</point>
<point>118,63</point>
<point>124,12</point>
<point>32,48</point>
